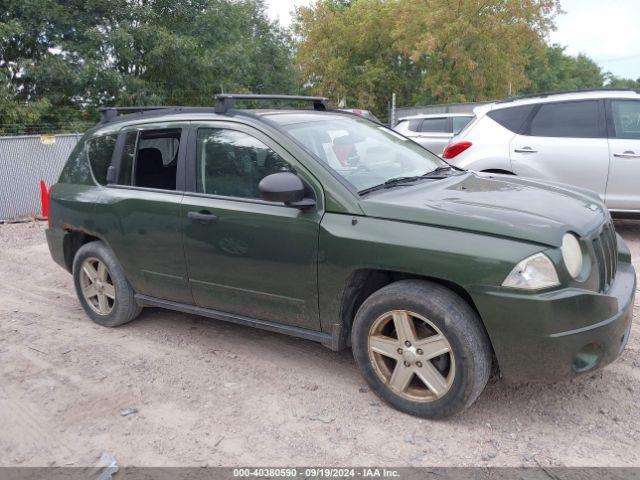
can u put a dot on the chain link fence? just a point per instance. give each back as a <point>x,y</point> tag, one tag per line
<point>24,161</point>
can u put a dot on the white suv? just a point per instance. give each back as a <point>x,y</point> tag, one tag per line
<point>433,131</point>
<point>590,139</point>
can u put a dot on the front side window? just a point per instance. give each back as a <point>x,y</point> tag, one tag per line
<point>434,125</point>
<point>232,163</point>
<point>100,150</point>
<point>150,159</point>
<point>567,119</point>
<point>362,153</point>
<point>626,118</point>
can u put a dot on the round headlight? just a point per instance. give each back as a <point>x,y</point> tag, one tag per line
<point>572,254</point>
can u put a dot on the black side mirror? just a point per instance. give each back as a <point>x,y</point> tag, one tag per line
<point>285,187</point>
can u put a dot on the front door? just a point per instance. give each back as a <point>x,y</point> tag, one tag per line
<point>247,256</point>
<point>623,188</point>
<point>564,142</point>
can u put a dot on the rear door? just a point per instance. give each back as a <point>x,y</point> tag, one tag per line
<point>623,187</point>
<point>247,256</point>
<point>139,213</point>
<point>564,142</point>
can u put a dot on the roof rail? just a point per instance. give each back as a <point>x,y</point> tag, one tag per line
<point>561,92</point>
<point>226,101</point>
<point>107,114</point>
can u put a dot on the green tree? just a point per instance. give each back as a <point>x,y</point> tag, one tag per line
<point>62,59</point>
<point>617,82</point>
<point>427,51</point>
<point>550,68</point>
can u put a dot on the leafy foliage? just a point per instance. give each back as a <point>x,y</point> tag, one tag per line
<point>436,51</point>
<point>432,51</point>
<point>62,59</point>
<point>550,69</point>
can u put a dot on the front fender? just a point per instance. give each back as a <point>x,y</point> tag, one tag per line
<point>349,243</point>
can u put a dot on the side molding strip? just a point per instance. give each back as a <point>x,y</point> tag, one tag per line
<point>324,338</point>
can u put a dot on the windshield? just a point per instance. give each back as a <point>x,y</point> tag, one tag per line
<point>363,153</point>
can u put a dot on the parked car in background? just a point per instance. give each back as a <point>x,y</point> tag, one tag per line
<point>363,113</point>
<point>435,131</point>
<point>590,139</point>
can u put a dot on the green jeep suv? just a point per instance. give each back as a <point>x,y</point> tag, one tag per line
<point>326,226</point>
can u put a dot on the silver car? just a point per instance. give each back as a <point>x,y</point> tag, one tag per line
<point>590,139</point>
<point>434,131</point>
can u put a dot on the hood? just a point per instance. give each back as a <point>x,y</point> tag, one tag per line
<point>501,205</point>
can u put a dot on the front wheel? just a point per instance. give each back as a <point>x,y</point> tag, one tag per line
<point>422,348</point>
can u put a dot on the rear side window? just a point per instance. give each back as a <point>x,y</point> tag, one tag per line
<point>567,119</point>
<point>434,125</point>
<point>100,151</point>
<point>150,159</point>
<point>626,118</point>
<point>511,118</point>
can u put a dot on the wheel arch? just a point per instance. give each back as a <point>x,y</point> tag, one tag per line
<point>362,283</point>
<point>75,238</point>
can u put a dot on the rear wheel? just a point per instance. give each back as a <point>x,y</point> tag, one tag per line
<point>422,348</point>
<point>101,286</point>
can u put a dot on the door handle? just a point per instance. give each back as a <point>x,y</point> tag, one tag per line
<point>203,216</point>
<point>627,154</point>
<point>525,150</point>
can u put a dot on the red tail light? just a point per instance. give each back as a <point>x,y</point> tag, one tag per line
<point>455,149</point>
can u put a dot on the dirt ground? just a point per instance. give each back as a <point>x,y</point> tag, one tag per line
<point>204,392</point>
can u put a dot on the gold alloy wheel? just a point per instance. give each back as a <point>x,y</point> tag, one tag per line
<point>411,356</point>
<point>97,286</point>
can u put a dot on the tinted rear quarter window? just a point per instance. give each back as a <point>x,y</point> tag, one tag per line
<point>435,125</point>
<point>414,125</point>
<point>459,123</point>
<point>567,119</point>
<point>77,169</point>
<point>100,151</point>
<point>511,118</point>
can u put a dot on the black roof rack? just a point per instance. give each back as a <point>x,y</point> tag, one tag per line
<point>226,101</point>
<point>561,92</point>
<point>108,114</point>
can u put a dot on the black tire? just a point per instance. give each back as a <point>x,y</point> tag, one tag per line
<point>455,319</point>
<point>124,307</point>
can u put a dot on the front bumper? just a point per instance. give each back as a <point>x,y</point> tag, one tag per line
<point>556,335</point>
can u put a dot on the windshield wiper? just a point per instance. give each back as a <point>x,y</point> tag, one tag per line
<point>392,182</point>
<point>439,172</point>
<point>443,169</point>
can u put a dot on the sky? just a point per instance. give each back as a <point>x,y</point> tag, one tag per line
<point>608,31</point>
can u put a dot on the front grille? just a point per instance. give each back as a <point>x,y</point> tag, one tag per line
<point>605,247</point>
